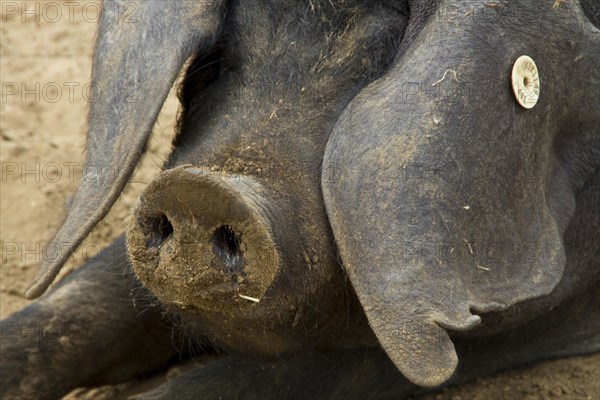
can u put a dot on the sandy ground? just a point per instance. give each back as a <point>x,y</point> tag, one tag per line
<point>45,64</point>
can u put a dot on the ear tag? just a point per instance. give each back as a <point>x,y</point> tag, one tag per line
<point>525,82</point>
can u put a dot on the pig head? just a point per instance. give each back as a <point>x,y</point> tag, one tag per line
<point>233,238</point>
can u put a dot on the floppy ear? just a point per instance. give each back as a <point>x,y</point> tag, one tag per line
<point>140,50</point>
<point>445,196</point>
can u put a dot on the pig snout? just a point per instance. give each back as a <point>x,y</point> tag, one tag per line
<point>202,240</point>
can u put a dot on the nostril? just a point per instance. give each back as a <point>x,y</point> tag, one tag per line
<point>226,246</point>
<point>160,229</point>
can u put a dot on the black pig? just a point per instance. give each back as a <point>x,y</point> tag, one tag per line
<point>232,241</point>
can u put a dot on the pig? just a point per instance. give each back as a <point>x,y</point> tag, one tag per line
<point>293,226</point>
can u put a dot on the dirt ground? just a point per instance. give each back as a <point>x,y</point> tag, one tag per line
<point>45,64</point>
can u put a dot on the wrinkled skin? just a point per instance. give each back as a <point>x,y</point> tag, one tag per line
<point>258,113</point>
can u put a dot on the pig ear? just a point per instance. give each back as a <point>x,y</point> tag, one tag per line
<point>140,49</point>
<point>437,220</point>
<point>421,261</point>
